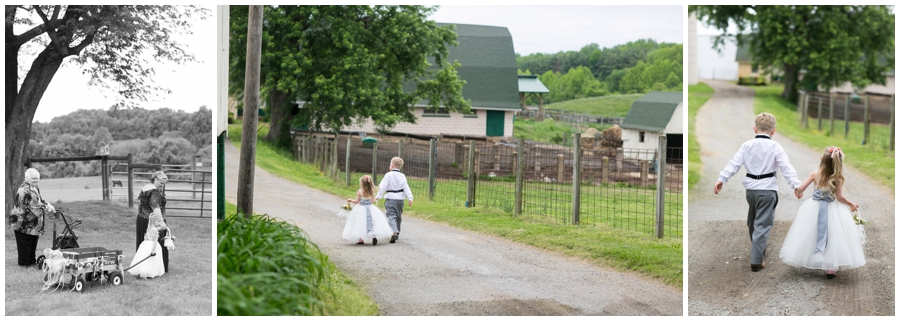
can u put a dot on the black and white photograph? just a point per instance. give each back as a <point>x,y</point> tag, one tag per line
<point>109,160</point>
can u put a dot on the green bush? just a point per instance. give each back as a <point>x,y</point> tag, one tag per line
<point>752,81</point>
<point>268,267</point>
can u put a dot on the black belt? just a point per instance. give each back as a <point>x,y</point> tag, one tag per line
<point>396,191</point>
<point>772,174</point>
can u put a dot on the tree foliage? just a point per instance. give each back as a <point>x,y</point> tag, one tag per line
<point>833,44</point>
<point>112,44</point>
<point>661,69</point>
<point>161,136</point>
<point>348,64</point>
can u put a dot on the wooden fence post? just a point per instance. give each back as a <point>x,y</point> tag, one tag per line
<point>831,113</point>
<point>560,165</point>
<point>104,172</point>
<point>847,116</point>
<point>520,172</point>
<point>347,161</point>
<point>645,167</point>
<point>432,167</point>
<point>335,175</point>
<point>800,107</point>
<point>620,154</point>
<point>604,170</point>
<point>400,148</point>
<point>819,114</point>
<point>576,181</point>
<point>131,182</point>
<point>660,186</point>
<point>866,122</point>
<point>470,190</point>
<point>806,111</point>
<point>892,121</point>
<point>375,162</point>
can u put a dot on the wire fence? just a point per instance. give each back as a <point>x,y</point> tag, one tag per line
<point>618,187</point>
<point>867,119</point>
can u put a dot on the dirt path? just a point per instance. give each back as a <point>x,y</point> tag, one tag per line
<point>719,277</point>
<point>440,270</point>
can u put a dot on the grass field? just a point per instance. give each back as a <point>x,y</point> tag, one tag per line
<point>608,106</point>
<point>185,290</point>
<point>548,130</point>
<point>697,96</point>
<point>339,295</point>
<point>600,244</point>
<point>874,159</point>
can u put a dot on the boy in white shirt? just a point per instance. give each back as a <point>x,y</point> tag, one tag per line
<point>762,157</point>
<point>394,188</point>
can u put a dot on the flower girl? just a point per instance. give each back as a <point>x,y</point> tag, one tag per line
<point>824,235</point>
<point>366,220</point>
<point>148,260</point>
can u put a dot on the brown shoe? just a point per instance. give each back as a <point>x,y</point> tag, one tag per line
<point>757,267</point>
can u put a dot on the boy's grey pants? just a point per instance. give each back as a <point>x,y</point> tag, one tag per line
<point>760,217</point>
<point>393,209</point>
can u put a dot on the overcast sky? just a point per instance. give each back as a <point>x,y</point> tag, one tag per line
<point>550,29</point>
<point>193,84</point>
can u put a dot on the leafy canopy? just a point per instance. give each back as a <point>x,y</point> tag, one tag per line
<point>351,63</point>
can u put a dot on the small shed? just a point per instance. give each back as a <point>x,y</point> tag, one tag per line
<point>529,85</point>
<point>651,116</point>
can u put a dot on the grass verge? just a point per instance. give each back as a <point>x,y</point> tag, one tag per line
<point>608,106</point>
<point>548,130</point>
<point>697,96</point>
<point>185,290</point>
<point>875,160</point>
<point>268,267</point>
<point>660,259</point>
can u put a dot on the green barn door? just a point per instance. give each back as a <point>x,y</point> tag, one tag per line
<point>495,123</point>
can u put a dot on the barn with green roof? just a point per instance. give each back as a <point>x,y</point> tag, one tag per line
<point>488,65</point>
<point>651,116</point>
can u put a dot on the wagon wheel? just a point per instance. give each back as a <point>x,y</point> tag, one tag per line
<point>115,278</point>
<point>79,284</point>
<point>40,262</point>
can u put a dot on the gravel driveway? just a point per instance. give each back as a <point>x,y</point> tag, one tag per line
<point>719,277</point>
<point>439,270</point>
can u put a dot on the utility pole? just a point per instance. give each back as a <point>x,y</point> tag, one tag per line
<point>251,112</point>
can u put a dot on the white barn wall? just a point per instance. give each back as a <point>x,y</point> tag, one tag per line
<point>676,125</point>
<point>456,124</point>
<point>631,140</point>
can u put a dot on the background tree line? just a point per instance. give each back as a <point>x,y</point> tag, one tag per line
<point>635,67</point>
<point>162,136</point>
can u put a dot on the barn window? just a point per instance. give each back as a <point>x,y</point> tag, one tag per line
<point>642,137</point>
<point>440,111</point>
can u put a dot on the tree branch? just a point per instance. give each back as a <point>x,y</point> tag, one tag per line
<point>89,39</point>
<point>54,38</point>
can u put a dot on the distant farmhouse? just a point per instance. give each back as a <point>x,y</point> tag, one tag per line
<point>651,116</point>
<point>488,65</point>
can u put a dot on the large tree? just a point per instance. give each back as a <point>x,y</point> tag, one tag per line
<point>833,44</point>
<point>348,64</point>
<point>110,43</point>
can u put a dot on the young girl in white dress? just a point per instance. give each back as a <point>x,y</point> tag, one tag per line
<point>824,235</point>
<point>145,265</point>
<point>366,220</point>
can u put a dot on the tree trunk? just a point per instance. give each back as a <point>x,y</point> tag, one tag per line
<point>791,73</point>
<point>251,110</point>
<point>20,115</point>
<point>279,118</point>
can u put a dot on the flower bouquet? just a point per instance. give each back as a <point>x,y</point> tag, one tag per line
<point>345,209</point>
<point>859,224</point>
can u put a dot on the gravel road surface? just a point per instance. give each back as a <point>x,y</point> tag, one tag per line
<point>439,270</point>
<point>719,278</point>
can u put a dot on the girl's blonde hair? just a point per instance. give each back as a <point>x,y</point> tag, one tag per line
<point>830,169</point>
<point>367,187</point>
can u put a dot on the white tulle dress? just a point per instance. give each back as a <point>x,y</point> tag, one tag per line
<point>357,226</point>
<point>153,266</point>
<point>843,248</point>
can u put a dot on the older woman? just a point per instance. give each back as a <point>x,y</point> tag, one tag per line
<point>153,200</point>
<point>27,217</point>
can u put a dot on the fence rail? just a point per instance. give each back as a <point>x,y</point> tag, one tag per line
<point>617,187</point>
